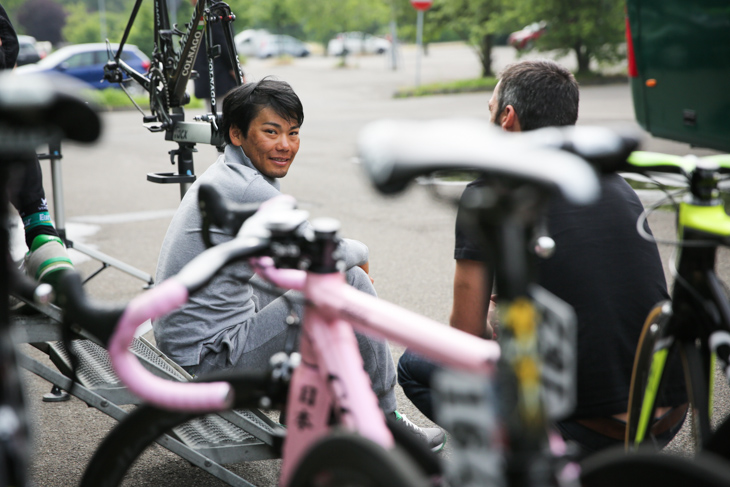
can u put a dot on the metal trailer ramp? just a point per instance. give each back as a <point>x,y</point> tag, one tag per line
<point>208,442</point>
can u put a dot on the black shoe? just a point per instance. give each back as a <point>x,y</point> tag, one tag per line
<point>435,438</point>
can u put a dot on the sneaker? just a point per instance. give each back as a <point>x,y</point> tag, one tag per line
<point>47,259</point>
<point>435,438</point>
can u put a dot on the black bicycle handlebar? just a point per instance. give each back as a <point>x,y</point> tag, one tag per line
<point>96,318</point>
<point>222,213</point>
<point>100,319</point>
<point>37,108</point>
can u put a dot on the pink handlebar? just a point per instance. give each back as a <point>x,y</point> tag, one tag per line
<point>176,396</point>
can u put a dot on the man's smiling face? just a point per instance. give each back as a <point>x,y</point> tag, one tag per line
<point>271,143</point>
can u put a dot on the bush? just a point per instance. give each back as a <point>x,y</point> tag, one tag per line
<point>116,98</point>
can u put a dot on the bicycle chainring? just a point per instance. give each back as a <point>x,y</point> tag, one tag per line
<point>159,95</point>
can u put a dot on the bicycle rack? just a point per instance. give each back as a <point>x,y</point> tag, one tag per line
<point>59,208</point>
<point>209,442</point>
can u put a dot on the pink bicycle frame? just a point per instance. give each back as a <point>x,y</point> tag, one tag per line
<point>331,374</point>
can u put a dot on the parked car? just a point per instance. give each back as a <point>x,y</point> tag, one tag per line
<point>86,62</point>
<point>277,45</point>
<point>357,43</point>
<point>247,41</point>
<point>525,38</point>
<point>263,44</point>
<point>28,52</point>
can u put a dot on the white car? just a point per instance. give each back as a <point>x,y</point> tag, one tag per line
<point>278,45</point>
<point>247,42</point>
<point>357,43</point>
<point>263,44</point>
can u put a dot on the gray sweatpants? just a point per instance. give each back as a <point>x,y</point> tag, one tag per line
<point>266,333</point>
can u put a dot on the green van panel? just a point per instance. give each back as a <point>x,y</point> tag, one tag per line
<point>684,46</point>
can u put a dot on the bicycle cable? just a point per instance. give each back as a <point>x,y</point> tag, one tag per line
<point>124,89</point>
<point>669,199</point>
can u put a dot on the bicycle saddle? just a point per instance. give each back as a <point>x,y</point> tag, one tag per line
<point>396,151</point>
<point>37,108</point>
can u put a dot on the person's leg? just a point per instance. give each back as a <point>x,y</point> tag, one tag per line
<point>30,201</point>
<point>47,257</point>
<point>250,345</point>
<point>414,376</point>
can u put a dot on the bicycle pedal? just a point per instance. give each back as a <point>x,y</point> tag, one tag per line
<point>56,395</point>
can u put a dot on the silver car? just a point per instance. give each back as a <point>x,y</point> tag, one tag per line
<point>278,45</point>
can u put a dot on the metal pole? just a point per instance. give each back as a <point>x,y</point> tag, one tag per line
<point>419,46</point>
<point>393,45</point>
<point>102,20</point>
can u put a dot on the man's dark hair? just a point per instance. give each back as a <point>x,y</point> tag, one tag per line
<point>542,92</point>
<point>243,103</point>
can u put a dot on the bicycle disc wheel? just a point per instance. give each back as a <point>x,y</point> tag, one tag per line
<point>647,469</point>
<point>349,460</point>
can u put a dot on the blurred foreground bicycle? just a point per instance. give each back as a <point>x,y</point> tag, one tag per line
<point>34,111</point>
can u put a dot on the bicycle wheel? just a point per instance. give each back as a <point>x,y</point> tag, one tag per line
<point>656,347</point>
<point>719,443</point>
<point>126,442</point>
<point>349,460</point>
<point>647,469</point>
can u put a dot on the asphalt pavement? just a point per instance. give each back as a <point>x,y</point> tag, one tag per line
<point>110,206</point>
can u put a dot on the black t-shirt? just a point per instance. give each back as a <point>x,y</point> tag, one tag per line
<point>612,277</point>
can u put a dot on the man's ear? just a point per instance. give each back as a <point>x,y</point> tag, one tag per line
<point>510,121</point>
<point>236,135</point>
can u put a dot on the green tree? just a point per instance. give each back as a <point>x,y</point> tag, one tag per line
<point>11,7</point>
<point>277,16</point>
<point>83,26</point>
<point>476,22</point>
<point>592,29</point>
<point>43,19</point>
<point>322,19</point>
<point>143,30</point>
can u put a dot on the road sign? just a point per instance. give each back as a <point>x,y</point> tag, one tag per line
<point>422,5</point>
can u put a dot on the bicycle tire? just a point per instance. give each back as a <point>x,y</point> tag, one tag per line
<point>143,426</point>
<point>647,469</point>
<point>647,378</point>
<point>346,459</point>
<point>126,442</point>
<point>719,442</point>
